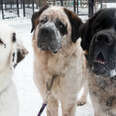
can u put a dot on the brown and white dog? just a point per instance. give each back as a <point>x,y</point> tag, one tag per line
<point>58,58</point>
<point>99,41</point>
<point>11,53</point>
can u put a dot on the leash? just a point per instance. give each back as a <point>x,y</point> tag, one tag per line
<point>42,109</point>
<point>49,85</point>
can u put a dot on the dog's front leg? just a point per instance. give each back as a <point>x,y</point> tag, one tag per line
<point>52,107</point>
<point>68,109</point>
<point>98,110</point>
<point>83,99</point>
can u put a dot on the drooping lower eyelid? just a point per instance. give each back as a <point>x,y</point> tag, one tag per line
<point>43,21</point>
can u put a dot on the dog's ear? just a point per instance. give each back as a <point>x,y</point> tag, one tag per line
<point>36,16</point>
<point>75,22</point>
<point>87,31</point>
<point>18,52</point>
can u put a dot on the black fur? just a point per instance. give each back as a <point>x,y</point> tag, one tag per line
<point>20,55</point>
<point>75,23</point>
<point>87,30</point>
<point>99,40</point>
<point>36,15</point>
<point>61,27</point>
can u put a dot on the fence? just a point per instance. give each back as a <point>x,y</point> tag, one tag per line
<point>28,7</point>
<point>16,8</point>
<point>9,9</point>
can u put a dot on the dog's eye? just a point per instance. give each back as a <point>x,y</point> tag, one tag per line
<point>2,43</point>
<point>62,27</point>
<point>44,20</point>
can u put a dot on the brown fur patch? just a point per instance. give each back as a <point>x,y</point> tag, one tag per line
<point>35,17</point>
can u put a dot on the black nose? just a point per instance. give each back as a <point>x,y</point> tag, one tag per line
<point>104,39</point>
<point>46,36</point>
<point>45,31</point>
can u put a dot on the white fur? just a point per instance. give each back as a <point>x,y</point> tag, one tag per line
<point>8,96</point>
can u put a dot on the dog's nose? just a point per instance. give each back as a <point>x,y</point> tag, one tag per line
<point>104,39</point>
<point>45,31</point>
<point>46,37</point>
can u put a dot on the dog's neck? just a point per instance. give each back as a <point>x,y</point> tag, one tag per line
<point>5,78</point>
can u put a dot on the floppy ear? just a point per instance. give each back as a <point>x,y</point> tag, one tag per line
<point>85,33</point>
<point>75,22</point>
<point>18,52</point>
<point>87,30</point>
<point>35,17</point>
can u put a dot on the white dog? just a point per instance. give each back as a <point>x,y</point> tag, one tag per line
<point>11,53</point>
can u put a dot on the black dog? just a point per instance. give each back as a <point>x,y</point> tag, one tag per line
<point>99,43</point>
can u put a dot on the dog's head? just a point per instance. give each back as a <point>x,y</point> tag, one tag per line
<point>99,42</point>
<point>54,27</point>
<point>12,52</point>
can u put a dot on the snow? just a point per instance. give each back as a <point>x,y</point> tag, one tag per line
<point>29,97</point>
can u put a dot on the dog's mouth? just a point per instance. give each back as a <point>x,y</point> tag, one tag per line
<point>43,46</point>
<point>49,38</point>
<point>100,59</point>
<point>100,65</point>
<point>51,48</point>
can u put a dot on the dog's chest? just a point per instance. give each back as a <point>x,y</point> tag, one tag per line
<point>63,64</point>
<point>69,71</point>
<point>57,64</point>
<point>104,89</point>
<point>106,84</point>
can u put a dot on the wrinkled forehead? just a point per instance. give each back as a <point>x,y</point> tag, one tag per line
<point>54,13</point>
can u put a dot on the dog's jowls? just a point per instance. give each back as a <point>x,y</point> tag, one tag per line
<point>11,53</point>
<point>99,42</point>
<point>58,54</point>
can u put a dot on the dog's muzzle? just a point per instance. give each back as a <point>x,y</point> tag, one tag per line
<point>101,53</point>
<point>49,38</point>
<point>103,38</point>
